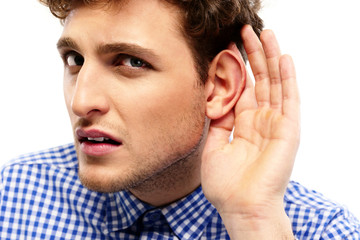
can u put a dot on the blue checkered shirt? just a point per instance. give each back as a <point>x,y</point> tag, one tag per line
<point>41,197</point>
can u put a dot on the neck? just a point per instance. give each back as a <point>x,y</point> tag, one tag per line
<point>176,181</point>
<point>170,185</point>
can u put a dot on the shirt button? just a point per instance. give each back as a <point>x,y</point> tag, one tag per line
<point>154,217</point>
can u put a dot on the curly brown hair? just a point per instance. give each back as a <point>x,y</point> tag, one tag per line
<point>208,25</point>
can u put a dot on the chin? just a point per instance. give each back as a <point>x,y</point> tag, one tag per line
<point>99,180</point>
<point>107,180</point>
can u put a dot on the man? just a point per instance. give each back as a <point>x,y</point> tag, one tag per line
<point>153,90</point>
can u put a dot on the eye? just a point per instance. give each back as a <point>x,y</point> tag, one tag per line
<point>74,59</point>
<point>130,61</point>
<point>133,62</point>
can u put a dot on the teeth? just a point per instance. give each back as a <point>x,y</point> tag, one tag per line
<point>98,139</point>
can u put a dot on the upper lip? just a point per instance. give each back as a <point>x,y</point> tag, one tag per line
<point>83,134</point>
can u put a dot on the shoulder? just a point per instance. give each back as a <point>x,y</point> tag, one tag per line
<point>61,156</point>
<point>41,197</point>
<point>314,216</point>
<point>39,166</point>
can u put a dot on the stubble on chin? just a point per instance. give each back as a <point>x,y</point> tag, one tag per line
<point>160,173</point>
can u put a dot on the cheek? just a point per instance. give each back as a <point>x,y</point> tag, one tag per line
<point>163,109</point>
<point>170,117</point>
<point>156,101</point>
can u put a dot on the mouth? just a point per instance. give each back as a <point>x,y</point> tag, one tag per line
<point>96,143</point>
<point>99,140</point>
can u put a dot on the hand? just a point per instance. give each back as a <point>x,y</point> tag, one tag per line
<point>247,178</point>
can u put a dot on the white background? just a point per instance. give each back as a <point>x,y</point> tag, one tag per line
<point>321,35</point>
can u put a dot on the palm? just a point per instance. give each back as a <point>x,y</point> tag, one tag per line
<point>255,167</point>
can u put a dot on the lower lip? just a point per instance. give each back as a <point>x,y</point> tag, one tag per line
<point>97,149</point>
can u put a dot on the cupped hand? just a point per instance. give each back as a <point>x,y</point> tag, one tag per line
<point>248,176</point>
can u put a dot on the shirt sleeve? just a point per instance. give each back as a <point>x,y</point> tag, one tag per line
<point>344,225</point>
<point>314,217</point>
<point>1,186</point>
<point>1,190</point>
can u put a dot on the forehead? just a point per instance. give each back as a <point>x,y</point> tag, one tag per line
<point>137,18</point>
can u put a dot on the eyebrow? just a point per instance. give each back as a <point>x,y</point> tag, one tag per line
<point>127,48</point>
<point>67,42</point>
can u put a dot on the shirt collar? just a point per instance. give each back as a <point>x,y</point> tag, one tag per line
<point>123,210</point>
<point>189,216</point>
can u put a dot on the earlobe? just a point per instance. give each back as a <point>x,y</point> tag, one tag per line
<point>227,77</point>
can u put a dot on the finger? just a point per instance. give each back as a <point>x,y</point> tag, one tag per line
<point>291,99</point>
<point>247,99</point>
<point>273,53</point>
<point>257,60</point>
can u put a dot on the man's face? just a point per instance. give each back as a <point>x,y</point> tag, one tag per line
<point>132,93</point>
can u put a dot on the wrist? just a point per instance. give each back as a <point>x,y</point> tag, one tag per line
<point>258,224</point>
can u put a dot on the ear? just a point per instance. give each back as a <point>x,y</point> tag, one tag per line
<point>225,83</point>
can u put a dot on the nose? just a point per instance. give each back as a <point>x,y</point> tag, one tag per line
<point>89,96</point>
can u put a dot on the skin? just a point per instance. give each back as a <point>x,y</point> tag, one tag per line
<point>151,110</point>
<point>174,131</point>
